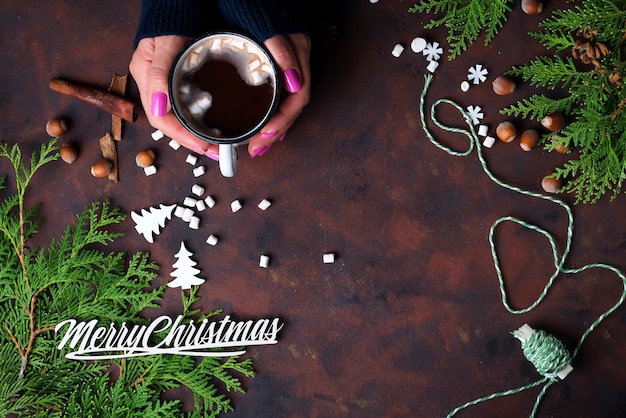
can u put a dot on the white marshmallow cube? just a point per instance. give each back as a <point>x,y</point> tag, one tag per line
<point>432,66</point>
<point>200,205</point>
<point>210,202</point>
<point>197,190</point>
<point>397,50</point>
<point>465,86</point>
<point>179,211</point>
<point>156,135</point>
<point>418,44</point>
<point>191,159</point>
<point>190,202</point>
<point>212,240</point>
<point>187,214</point>
<point>198,171</point>
<point>235,205</point>
<point>264,261</point>
<point>264,204</point>
<point>483,130</point>
<point>489,141</point>
<point>194,222</point>
<point>328,258</point>
<point>174,145</point>
<point>150,170</point>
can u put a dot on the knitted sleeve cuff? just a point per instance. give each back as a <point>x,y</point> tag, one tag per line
<point>171,17</point>
<point>261,19</point>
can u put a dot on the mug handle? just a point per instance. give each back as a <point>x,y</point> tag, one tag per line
<point>228,160</point>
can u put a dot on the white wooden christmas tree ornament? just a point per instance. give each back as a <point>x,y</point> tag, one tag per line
<point>152,221</point>
<point>185,274</point>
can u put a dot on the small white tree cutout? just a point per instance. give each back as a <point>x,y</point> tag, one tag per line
<point>184,271</point>
<point>151,222</point>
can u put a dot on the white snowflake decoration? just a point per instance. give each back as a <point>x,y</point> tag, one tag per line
<point>151,222</point>
<point>475,114</point>
<point>433,51</point>
<point>477,74</point>
<point>184,271</point>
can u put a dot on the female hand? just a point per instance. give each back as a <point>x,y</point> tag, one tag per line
<point>150,67</point>
<point>292,55</point>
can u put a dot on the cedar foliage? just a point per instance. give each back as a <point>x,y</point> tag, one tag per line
<point>465,20</point>
<point>72,278</point>
<point>588,64</point>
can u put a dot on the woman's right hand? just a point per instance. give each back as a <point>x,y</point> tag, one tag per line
<point>150,67</point>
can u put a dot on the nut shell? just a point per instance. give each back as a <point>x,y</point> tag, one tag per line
<point>68,153</point>
<point>528,139</point>
<point>553,121</point>
<point>551,184</point>
<point>532,7</point>
<point>101,168</point>
<point>145,158</point>
<point>56,127</point>
<point>503,85</point>
<point>506,131</point>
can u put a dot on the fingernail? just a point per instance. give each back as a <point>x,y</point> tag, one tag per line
<point>292,81</point>
<point>260,151</point>
<point>214,157</point>
<point>268,135</point>
<point>159,103</point>
<point>282,136</point>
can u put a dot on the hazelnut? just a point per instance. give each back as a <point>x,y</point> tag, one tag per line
<point>145,158</point>
<point>68,153</point>
<point>506,131</point>
<point>503,85</point>
<point>101,168</point>
<point>56,127</point>
<point>528,139</point>
<point>561,148</point>
<point>551,184</point>
<point>553,121</point>
<point>532,7</point>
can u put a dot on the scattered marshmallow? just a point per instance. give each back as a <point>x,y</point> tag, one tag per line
<point>489,141</point>
<point>197,190</point>
<point>190,202</point>
<point>483,130</point>
<point>210,202</point>
<point>191,159</point>
<point>418,44</point>
<point>194,222</point>
<point>200,205</point>
<point>212,240</point>
<point>465,86</point>
<point>397,50</point>
<point>432,66</point>
<point>174,144</point>
<point>256,78</point>
<point>156,135</point>
<point>328,258</point>
<point>264,261</point>
<point>235,205</point>
<point>198,171</point>
<point>216,45</point>
<point>264,204</point>
<point>150,170</point>
<point>184,89</point>
<point>187,214</point>
<point>179,211</point>
<point>253,65</point>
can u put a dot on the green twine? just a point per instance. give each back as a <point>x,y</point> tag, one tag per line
<point>544,351</point>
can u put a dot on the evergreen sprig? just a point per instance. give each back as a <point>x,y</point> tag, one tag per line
<point>590,77</point>
<point>74,278</point>
<point>465,20</point>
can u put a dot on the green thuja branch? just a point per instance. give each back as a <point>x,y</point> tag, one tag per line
<point>73,278</point>
<point>465,20</point>
<point>587,70</point>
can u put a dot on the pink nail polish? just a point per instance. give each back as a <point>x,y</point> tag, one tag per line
<point>159,103</point>
<point>292,81</point>
<point>282,136</point>
<point>198,149</point>
<point>260,151</point>
<point>269,135</point>
<point>212,156</point>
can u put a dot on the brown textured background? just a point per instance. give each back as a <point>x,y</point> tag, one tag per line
<point>408,321</point>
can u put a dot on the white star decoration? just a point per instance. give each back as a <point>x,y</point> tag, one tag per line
<point>432,51</point>
<point>477,74</point>
<point>475,114</point>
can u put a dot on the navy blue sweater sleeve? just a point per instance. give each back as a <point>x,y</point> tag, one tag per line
<point>260,19</point>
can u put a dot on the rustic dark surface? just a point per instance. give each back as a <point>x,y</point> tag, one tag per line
<point>408,321</point>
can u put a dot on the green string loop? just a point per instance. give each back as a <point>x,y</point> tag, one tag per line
<point>547,354</point>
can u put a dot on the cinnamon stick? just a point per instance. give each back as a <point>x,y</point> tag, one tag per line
<point>117,86</point>
<point>99,98</point>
